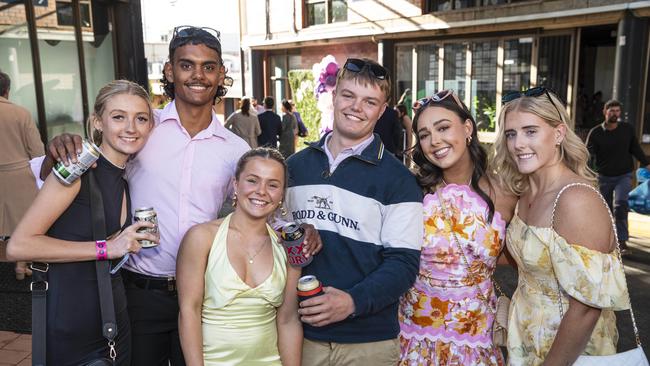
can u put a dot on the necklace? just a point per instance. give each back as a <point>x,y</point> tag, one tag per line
<point>258,251</point>
<point>113,164</point>
<point>469,183</point>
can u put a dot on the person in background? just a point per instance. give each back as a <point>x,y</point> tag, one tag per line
<point>237,293</point>
<point>389,129</point>
<point>561,237</point>
<point>406,142</point>
<point>257,108</point>
<point>271,125</point>
<point>58,229</point>
<point>289,130</point>
<point>368,209</point>
<point>447,316</point>
<point>302,129</point>
<point>244,123</point>
<point>19,142</point>
<point>613,145</point>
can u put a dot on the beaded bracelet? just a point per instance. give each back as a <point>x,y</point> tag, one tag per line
<point>100,248</point>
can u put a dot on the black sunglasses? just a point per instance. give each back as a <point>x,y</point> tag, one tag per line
<point>357,65</point>
<point>184,31</point>
<point>532,92</point>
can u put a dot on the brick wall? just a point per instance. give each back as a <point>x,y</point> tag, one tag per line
<point>46,16</point>
<point>312,55</point>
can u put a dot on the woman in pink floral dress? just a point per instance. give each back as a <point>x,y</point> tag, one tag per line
<point>446,317</point>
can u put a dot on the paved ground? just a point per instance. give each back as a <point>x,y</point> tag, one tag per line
<point>15,349</point>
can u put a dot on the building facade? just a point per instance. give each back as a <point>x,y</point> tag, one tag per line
<point>59,53</point>
<point>588,51</point>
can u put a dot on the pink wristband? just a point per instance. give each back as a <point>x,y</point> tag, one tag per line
<point>100,248</point>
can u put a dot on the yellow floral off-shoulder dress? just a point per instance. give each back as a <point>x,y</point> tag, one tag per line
<point>545,259</point>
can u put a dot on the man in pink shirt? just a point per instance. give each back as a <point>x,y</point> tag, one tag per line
<point>185,173</point>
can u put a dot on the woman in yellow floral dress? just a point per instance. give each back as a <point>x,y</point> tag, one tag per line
<point>446,317</point>
<point>570,275</point>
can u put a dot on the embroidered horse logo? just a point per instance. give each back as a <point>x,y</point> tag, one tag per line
<point>322,202</point>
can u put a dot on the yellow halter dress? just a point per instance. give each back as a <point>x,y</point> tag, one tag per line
<point>238,321</point>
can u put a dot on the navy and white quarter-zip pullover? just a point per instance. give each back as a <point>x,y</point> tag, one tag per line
<point>369,215</point>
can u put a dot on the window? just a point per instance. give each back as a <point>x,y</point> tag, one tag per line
<point>484,84</point>
<point>455,68</point>
<point>428,68</point>
<point>446,5</point>
<point>64,13</point>
<point>516,64</point>
<point>553,65</point>
<point>326,11</point>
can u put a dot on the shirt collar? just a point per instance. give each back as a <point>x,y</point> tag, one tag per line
<point>370,150</point>
<point>215,128</point>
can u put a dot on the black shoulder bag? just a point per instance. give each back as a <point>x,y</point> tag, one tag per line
<point>39,288</point>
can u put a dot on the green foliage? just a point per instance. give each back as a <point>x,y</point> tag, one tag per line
<point>486,113</point>
<point>302,89</point>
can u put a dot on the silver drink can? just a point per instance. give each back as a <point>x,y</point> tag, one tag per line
<point>147,214</point>
<point>68,174</point>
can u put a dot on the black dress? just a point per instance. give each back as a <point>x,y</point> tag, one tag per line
<point>74,326</point>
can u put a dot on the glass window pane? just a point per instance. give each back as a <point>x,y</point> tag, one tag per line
<point>60,72</point>
<point>64,13</point>
<point>553,65</point>
<point>85,15</point>
<point>404,74</point>
<point>454,74</point>
<point>484,84</point>
<point>339,11</point>
<point>16,57</point>
<point>427,70</point>
<point>100,69</point>
<point>316,13</point>
<point>464,4</point>
<point>516,64</point>
<point>443,5</point>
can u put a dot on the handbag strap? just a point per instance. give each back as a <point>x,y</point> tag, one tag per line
<point>481,296</point>
<point>39,287</point>
<point>637,338</point>
<point>104,283</point>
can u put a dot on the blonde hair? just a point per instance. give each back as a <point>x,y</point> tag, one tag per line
<point>573,152</point>
<point>115,87</point>
<point>365,78</point>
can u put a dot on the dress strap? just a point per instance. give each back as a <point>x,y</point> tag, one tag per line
<point>557,199</point>
<point>637,338</point>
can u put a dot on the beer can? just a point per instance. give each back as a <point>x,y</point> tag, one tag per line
<point>147,214</point>
<point>293,241</point>
<point>308,287</point>
<point>88,156</point>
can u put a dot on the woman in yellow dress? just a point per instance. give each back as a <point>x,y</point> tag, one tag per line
<point>570,275</point>
<point>237,295</point>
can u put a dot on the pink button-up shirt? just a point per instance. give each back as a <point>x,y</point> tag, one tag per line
<point>186,180</point>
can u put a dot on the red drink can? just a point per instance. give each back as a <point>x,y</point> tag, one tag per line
<point>308,287</point>
<point>293,241</point>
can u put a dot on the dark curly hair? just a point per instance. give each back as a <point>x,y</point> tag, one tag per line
<point>429,176</point>
<point>195,36</point>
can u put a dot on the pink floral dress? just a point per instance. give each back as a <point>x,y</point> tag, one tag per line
<point>442,319</point>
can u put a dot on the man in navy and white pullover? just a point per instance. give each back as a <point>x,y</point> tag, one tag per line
<point>367,208</point>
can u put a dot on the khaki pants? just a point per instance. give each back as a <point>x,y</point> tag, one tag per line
<point>382,353</point>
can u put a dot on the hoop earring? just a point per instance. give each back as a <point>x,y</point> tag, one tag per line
<point>234,200</point>
<point>469,140</point>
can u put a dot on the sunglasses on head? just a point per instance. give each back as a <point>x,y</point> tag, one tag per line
<point>437,98</point>
<point>357,65</point>
<point>184,31</point>
<point>532,92</point>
